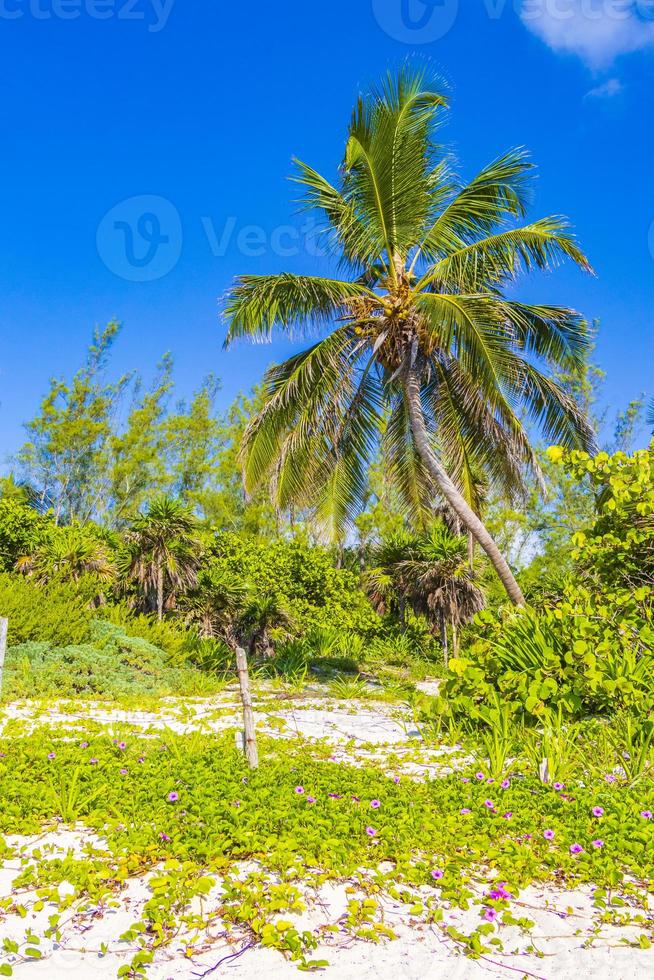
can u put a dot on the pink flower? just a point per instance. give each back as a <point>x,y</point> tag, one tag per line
<point>141,760</point>
<point>84,745</point>
<point>173,796</point>
<point>576,848</point>
<point>437,874</point>
<point>548,834</point>
<point>505,783</point>
<point>646,814</point>
<point>479,775</point>
<point>123,772</point>
<point>299,790</point>
<point>598,843</point>
<point>466,810</point>
<point>489,780</point>
<point>122,745</point>
<point>490,915</point>
<point>93,762</point>
<point>52,755</point>
<point>163,836</point>
<point>557,786</point>
<point>598,811</point>
<point>371,832</point>
<point>311,799</point>
<point>334,796</point>
<point>609,778</point>
<point>396,779</point>
<point>507,815</point>
<point>500,893</point>
<point>375,804</point>
<point>489,804</point>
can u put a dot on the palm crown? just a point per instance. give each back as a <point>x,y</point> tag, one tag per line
<point>420,328</point>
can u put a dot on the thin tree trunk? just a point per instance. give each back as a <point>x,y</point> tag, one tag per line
<point>471,551</point>
<point>454,498</point>
<point>446,651</point>
<point>160,596</point>
<point>251,753</point>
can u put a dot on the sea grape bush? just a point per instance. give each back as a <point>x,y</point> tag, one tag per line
<point>591,648</point>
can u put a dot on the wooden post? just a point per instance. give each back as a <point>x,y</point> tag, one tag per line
<point>4,623</point>
<point>251,753</point>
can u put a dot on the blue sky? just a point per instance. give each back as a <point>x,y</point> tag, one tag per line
<point>195,109</point>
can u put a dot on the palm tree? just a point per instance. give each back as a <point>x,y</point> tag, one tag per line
<point>68,553</point>
<point>162,553</point>
<point>650,415</point>
<point>265,611</point>
<point>440,583</point>
<point>421,327</point>
<point>215,605</point>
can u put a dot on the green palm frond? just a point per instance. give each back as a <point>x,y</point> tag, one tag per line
<point>499,192</point>
<point>258,304</point>
<point>497,258</point>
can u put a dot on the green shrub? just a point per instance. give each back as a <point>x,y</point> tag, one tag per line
<point>110,665</point>
<point>57,613</point>
<point>21,528</point>
<point>302,578</point>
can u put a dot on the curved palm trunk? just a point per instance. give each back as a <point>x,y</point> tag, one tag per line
<point>455,499</point>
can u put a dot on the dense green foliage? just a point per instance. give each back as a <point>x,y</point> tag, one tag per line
<point>589,646</point>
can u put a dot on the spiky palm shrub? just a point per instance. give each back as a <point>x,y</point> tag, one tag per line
<point>422,328</point>
<point>161,552</point>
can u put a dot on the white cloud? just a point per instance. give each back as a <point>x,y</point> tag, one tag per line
<point>607,90</point>
<point>595,30</point>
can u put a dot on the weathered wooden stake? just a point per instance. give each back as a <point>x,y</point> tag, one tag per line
<point>251,752</point>
<point>4,623</point>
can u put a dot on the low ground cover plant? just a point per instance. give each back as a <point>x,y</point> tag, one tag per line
<point>187,807</point>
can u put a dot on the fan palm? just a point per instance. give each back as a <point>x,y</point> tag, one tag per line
<point>439,582</point>
<point>420,328</point>
<point>161,552</point>
<point>69,553</point>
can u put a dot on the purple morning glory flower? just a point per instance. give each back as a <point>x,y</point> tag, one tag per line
<point>548,834</point>
<point>489,804</point>
<point>505,784</point>
<point>576,848</point>
<point>507,815</point>
<point>375,804</point>
<point>93,762</point>
<point>646,814</point>
<point>490,915</point>
<point>123,772</point>
<point>479,776</point>
<point>465,810</point>
<point>437,874</point>
<point>299,790</point>
<point>52,755</point>
<point>598,843</point>
<point>371,832</point>
<point>173,796</point>
<point>311,799</point>
<point>598,811</point>
<point>122,745</point>
<point>557,786</point>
